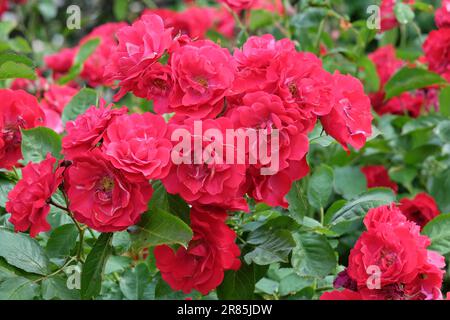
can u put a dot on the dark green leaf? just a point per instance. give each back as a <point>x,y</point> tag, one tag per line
<point>238,285</point>
<point>62,240</point>
<point>93,268</point>
<point>313,256</point>
<point>23,252</point>
<point>349,182</point>
<point>18,288</point>
<point>438,187</point>
<point>444,101</point>
<point>11,70</point>
<point>160,227</point>
<point>134,282</point>
<point>320,187</point>
<point>438,230</point>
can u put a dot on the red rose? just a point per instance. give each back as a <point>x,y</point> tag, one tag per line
<point>437,51</point>
<point>421,210</point>
<point>345,294</point>
<point>88,129</point>
<point>260,110</point>
<point>442,16</point>
<point>301,81</point>
<point>201,266</point>
<point>393,245</point>
<point>254,59</point>
<point>94,67</point>
<point>139,47</point>
<point>101,196</point>
<point>61,61</point>
<point>208,181</point>
<point>28,201</point>
<point>388,18</point>
<point>19,110</point>
<point>239,4</point>
<point>203,73</point>
<point>136,144</point>
<point>53,104</point>
<point>378,176</point>
<point>350,120</point>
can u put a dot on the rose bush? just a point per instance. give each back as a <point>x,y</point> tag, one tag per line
<point>245,149</point>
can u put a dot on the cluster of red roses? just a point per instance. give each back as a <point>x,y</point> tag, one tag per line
<point>390,261</point>
<point>437,44</point>
<point>110,156</point>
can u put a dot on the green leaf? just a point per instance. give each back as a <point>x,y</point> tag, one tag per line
<point>444,102</point>
<point>349,182</point>
<point>48,9</point>
<point>404,13</point>
<point>438,186</point>
<point>14,57</point>
<point>18,288</point>
<point>5,28</point>
<point>320,187</point>
<point>117,263</point>
<point>298,202</point>
<point>313,256</point>
<point>372,80</point>
<point>23,252</point>
<point>354,211</point>
<point>238,285</point>
<point>438,230</point>
<point>120,9</point>
<point>134,282</point>
<point>443,131</point>
<point>159,227</point>
<point>162,200</point>
<point>62,240</point>
<point>12,70</point>
<point>403,175</point>
<point>293,283</point>
<point>260,19</point>
<point>273,241</point>
<point>93,268</point>
<point>55,288</point>
<point>5,187</point>
<point>38,142</point>
<point>79,104</point>
<point>408,79</point>
<point>83,54</point>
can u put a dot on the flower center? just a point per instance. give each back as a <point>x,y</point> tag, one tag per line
<point>160,84</point>
<point>202,81</point>
<point>293,89</point>
<point>104,188</point>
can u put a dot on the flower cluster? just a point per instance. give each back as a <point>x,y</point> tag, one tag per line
<point>110,156</point>
<point>437,44</point>
<point>390,261</point>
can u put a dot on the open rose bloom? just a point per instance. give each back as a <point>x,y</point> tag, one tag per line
<point>231,150</point>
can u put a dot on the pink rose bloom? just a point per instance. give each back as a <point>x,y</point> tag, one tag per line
<point>442,16</point>
<point>139,47</point>
<point>19,110</point>
<point>437,52</point>
<point>350,120</point>
<point>209,181</point>
<point>255,58</point>
<point>101,196</point>
<point>239,4</point>
<point>55,100</point>
<point>88,129</point>
<point>136,145</point>
<point>203,73</point>
<point>201,266</point>
<point>260,110</point>
<point>94,67</point>
<point>301,81</point>
<point>28,201</point>
<point>61,61</point>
